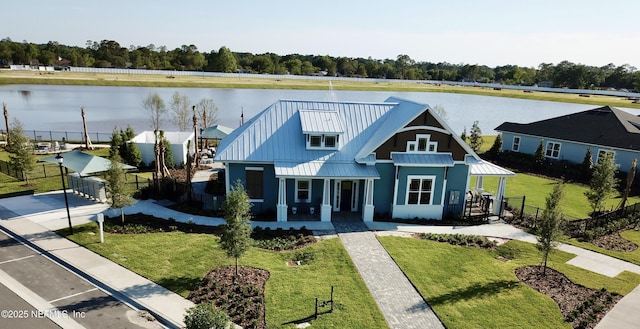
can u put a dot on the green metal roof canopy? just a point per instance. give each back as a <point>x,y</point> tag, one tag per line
<point>216,132</point>
<point>84,163</point>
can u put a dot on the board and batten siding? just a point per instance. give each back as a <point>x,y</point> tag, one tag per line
<point>237,171</point>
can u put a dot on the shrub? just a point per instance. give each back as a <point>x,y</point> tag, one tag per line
<point>206,316</point>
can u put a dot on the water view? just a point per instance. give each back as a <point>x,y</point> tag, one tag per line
<point>57,108</point>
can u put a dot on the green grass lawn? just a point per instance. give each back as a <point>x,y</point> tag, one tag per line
<point>536,189</point>
<point>631,235</point>
<point>469,288</point>
<point>290,292</point>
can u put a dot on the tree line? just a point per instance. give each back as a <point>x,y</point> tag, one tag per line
<point>110,54</point>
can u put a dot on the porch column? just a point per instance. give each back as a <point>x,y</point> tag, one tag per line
<point>367,209</point>
<point>480,183</point>
<point>325,208</point>
<point>502,185</point>
<point>281,207</point>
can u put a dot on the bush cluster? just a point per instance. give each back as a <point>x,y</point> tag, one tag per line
<point>205,316</point>
<point>460,240</point>
<point>280,239</point>
<point>611,227</point>
<point>590,310</point>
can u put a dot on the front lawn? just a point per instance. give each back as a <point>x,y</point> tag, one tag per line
<point>470,288</point>
<point>178,260</point>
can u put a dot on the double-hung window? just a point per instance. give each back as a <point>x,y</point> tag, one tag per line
<point>552,150</point>
<point>420,190</point>
<point>516,144</point>
<point>303,190</point>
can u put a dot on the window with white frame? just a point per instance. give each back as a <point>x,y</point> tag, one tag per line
<point>315,140</point>
<point>322,141</point>
<point>303,190</point>
<point>552,150</point>
<point>420,190</point>
<point>422,143</point>
<point>604,154</point>
<point>516,144</point>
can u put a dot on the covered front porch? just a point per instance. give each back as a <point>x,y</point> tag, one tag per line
<point>319,189</point>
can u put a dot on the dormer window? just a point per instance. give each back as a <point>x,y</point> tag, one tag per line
<point>321,128</point>
<point>315,141</point>
<point>422,143</point>
<point>322,141</point>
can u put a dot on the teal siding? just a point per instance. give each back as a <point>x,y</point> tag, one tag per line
<point>270,184</point>
<point>456,181</point>
<point>383,188</point>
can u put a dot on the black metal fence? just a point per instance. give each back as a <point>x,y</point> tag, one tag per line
<point>68,136</point>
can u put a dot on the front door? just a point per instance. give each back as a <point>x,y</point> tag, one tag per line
<point>345,192</point>
<point>346,196</point>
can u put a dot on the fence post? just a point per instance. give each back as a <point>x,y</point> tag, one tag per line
<point>137,187</point>
<point>315,316</point>
<point>522,207</point>
<point>44,170</point>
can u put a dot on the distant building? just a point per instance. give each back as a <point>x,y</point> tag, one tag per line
<point>604,130</point>
<point>178,141</point>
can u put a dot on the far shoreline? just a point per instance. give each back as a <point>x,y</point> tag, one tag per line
<point>9,77</point>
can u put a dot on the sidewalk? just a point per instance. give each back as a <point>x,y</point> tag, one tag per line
<point>168,307</point>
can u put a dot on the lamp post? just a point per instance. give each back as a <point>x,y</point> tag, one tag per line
<point>60,160</point>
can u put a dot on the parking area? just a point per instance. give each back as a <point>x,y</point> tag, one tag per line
<point>41,293</point>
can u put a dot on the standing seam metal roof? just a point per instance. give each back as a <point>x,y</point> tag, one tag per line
<point>319,122</point>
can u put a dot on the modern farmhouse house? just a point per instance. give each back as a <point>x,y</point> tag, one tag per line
<point>395,158</point>
<point>606,130</point>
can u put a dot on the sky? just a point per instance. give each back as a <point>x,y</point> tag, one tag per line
<point>484,32</point>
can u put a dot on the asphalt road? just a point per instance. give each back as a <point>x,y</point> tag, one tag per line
<point>39,293</point>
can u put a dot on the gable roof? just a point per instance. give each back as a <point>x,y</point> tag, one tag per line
<point>276,135</point>
<point>605,126</point>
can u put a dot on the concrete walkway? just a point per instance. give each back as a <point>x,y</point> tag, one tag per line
<point>398,300</point>
<point>168,307</point>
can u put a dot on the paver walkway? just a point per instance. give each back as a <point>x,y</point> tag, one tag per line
<point>400,303</point>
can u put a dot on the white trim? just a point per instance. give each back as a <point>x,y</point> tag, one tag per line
<point>416,144</point>
<point>395,188</point>
<point>432,128</point>
<point>354,196</point>
<point>613,157</point>
<point>570,141</point>
<point>308,200</point>
<point>337,195</point>
<point>254,168</point>
<point>421,178</point>
<point>546,149</point>
<point>513,144</point>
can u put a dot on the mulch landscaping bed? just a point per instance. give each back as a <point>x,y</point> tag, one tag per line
<point>614,242</point>
<point>141,223</point>
<point>580,306</point>
<point>242,299</point>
